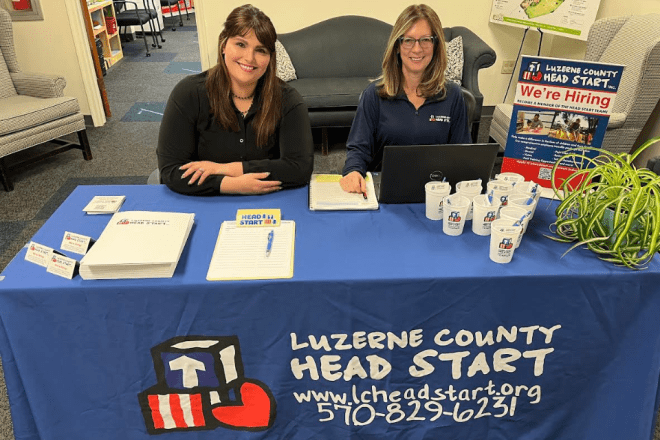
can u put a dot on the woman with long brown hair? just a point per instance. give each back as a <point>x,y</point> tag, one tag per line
<point>236,128</point>
<point>410,103</point>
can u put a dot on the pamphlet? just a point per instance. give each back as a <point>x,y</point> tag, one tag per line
<point>104,204</point>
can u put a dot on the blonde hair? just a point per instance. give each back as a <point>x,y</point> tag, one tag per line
<point>390,82</point>
<point>241,21</point>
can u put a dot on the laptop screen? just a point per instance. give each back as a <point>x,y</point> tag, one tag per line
<point>407,168</point>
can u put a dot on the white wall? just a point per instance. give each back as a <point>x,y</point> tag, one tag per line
<point>58,45</point>
<point>290,15</point>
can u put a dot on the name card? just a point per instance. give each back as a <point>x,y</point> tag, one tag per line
<point>62,266</point>
<point>258,218</point>
<point>77,243</point>
<point>39,254</point>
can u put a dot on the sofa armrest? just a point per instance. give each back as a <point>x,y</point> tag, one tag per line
<point>476,55</point>
<point>470,105</point>
<point>38,85</point>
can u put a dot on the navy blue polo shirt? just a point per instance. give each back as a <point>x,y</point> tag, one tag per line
<point>379,122</point>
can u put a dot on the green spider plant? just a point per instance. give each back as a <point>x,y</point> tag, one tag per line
<point>609,206</point>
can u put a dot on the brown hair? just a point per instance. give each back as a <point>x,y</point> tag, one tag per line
<point>390,82</point>
<point>241,21</point>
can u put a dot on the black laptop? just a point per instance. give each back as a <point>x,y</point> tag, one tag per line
<point>407,168</point>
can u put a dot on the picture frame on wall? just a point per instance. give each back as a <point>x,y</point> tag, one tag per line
<point>23,10</point>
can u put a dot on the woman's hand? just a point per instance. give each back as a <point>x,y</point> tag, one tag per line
<point>353,182</point>
<point>250,183</point>
<point>198,171</point>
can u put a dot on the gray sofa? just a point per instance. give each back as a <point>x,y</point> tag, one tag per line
<point>335,59</point>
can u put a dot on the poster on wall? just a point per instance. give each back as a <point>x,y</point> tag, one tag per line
<point>22,10</point>
<point>560,105</point>
<point>570,18</point>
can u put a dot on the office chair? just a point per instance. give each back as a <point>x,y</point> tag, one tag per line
<point>170,4</point>
<point>138,16</point>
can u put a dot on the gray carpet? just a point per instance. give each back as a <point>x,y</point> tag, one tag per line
<point>123,150</point>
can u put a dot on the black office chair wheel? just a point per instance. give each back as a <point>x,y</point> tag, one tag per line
<point>180,24</point>
<point>148,54</point>
<point>160,47</point>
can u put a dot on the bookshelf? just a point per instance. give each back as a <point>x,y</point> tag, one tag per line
<point>98,12</point>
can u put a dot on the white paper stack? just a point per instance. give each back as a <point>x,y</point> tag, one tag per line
<point>104,204</point>
<point>138,244</point>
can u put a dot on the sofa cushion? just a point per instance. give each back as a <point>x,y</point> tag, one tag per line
<point>285,69</point>
<point>330,92</point>
<point>454,70</point>
<point>21,112</point>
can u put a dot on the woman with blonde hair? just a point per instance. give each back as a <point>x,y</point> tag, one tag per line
<point>236,128</point>
<point>410,103</point>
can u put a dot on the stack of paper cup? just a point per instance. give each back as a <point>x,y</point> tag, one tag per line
<point>516,214</point>
<point>469,189</point>
<point>500,190</point>
<point>512,178</point>
<point>454,210</point>
<point>435,193</point>
<point>502,240</point>
<point>485,212</point>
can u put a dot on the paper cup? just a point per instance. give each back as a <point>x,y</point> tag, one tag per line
<point>523,201</point>
<point>454,210</point>
<point>513,178</point>
<point>512,214</point>
<point>484,214</point>
<point>529,188</point>
<point>502,240</point>
<point>469,186</point>
<point>435,193</point>
<point>469,189</point>
<point>500,190</point>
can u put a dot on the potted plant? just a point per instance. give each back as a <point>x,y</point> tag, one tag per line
<point>110,21</point>
<point>609,206</point>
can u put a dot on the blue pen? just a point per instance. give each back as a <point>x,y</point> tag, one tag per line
<point>520,222</point>
<point>490,197</point>
<point>529,201</point>
<point>269,246</point>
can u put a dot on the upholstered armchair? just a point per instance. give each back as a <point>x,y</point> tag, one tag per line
<point>33,110</point>
<point>633,41</point>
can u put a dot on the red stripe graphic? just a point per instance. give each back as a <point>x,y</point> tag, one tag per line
<point>155,412</point>
<point>196,408</point>
<point>177,413</point>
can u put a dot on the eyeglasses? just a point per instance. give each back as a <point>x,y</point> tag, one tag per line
<point>424,42</point>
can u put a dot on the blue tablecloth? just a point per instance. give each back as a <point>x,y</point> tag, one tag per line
<point>389,329</point>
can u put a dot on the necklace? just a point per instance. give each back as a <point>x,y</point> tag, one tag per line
<point>244,98</point>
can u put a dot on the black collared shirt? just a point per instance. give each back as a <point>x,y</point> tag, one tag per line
<point>188,132</point>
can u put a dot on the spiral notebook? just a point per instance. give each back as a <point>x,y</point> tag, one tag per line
<point>325,194</point>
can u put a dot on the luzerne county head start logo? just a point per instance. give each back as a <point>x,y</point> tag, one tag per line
<point>454,216</point>
<point>533,72</point>
<point>506,243</point>
<point>201,386</point>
